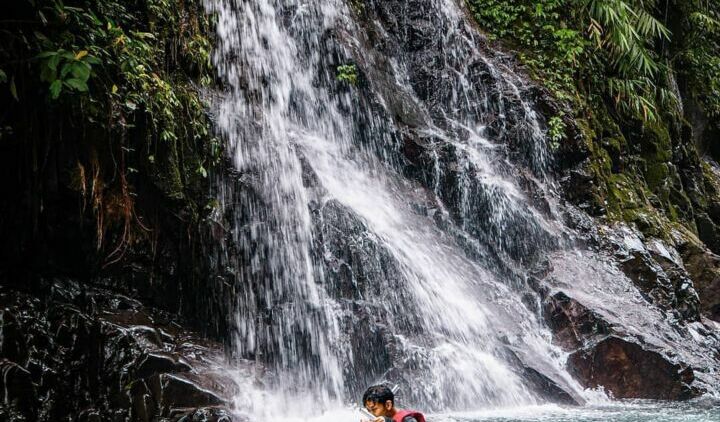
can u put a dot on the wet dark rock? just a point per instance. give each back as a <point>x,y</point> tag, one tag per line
<point>157,363</point>
<point>625,365</point>
<point>549,388</point>
<point>543,380</point>
<point>704,268</point>
<point>648,276</point>
<point>94,356</point>
<point>177,391</point>
<point>12,342</point>
<point>207,414</point>
<point>578,187</point>
<point>657,269</point>
<point>354,260</point>
<point>89,415</point>
<point>627,369</point>
<point>143,404</point>
<point>572,323</point>
<point>17,392</point>
<point>708,231</point>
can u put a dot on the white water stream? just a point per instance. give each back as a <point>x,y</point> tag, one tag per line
<point>302,142</point>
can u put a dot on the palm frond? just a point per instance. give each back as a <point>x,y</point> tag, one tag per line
<point>648,26</point>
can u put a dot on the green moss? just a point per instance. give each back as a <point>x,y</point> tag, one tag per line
<point>654,139</point>
<point>622,196</point>
<point>347,73</point>
<point>656,174</point>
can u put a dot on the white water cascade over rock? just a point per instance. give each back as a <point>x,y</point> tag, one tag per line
<point>388,222</point>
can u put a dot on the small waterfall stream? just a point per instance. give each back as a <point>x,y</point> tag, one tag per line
<point>385,228</point>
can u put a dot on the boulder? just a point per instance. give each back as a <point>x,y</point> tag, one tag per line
<point>144,405</point>
<point>180,392</point>
<point>628,369</point>
<point>156,363</point>
<point>657,270</point>
<point>93,355</point>
<point>543,380</point>
<point>602,354</point>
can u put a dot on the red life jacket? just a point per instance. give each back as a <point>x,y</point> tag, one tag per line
<point>402,414</point>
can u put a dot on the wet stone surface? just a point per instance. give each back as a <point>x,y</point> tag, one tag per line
<point>631,370</point>
<point>604,355</point>
<point>86,354</point>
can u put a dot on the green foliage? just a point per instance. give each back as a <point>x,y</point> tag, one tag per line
<point>587,49</point>
<point>556,130</point>
<point>549,46</point>
<point>121,78</point>
<point>347,73</point>
<point>618,68</point>
<point>627,30</point>
<point>65,69</point>
<point>698,52</point>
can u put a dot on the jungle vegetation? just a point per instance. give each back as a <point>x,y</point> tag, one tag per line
<point>639,80</point>
<point>104,98</point>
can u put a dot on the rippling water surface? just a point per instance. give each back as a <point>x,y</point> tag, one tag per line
<point>704,409</point>
<point>616,412</point>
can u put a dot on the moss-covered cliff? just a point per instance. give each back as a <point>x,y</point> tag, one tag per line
<point>635,86</point>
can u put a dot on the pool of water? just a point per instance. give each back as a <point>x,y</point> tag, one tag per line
<point>700,410</point>
<point>703,410</point>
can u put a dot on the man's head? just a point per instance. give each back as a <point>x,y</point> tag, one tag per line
<point>379,400</point>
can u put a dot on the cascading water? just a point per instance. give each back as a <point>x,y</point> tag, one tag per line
<point>448,318</point>
<point>282,317</point>
<point>383,228</point>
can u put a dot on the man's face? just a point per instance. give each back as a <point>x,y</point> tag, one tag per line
<point>378,409</point>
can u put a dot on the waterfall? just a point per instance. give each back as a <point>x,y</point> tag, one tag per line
<point>383,227</point>
<point>284,315</point>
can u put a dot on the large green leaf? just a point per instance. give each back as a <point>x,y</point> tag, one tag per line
<point>77,84</point>
<point>80,70</point>
<point>52,63</point>
<point>46,54</point>
<point>55,89</point>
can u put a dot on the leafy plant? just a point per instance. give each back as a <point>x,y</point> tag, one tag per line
<point>347,73</point>
<point>556,130</point>
<point>65,69</point>
<point>606,46</point>
<point>698,52</point>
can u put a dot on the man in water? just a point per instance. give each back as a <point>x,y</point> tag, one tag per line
<point>380,401</point>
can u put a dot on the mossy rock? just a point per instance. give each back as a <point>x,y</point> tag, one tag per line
<point>655,142</point>
<point>656,174</point>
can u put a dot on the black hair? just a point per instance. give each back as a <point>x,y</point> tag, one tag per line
<point>378,394</point>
